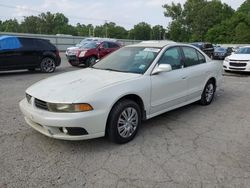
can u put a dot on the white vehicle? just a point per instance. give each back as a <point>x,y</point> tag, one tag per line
<point>239,61</point>
<point>111,98</point>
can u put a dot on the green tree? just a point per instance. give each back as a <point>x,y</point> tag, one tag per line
<point>11,25</point>
<point>142,31</point>
<point>195,18</point>
<point>234,29</point>
<point>31,24</point>
<point>158,33</point>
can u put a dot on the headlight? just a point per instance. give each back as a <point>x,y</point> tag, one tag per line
<point>227,59</point>
<point>69,107</point>
<point>82,53</point>
<point>28,98</point>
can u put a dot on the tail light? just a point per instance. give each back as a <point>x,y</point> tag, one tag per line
<point>57,52</point>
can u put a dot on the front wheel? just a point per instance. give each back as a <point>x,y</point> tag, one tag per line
<point>90,61</point>
<point>208,93</point>
<point>48,65</point>
<point>124,121</point>
<point>74,63</point>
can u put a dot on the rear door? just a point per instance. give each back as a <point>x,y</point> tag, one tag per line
<point>198,71</point>
<point>29,53</point>
<point>103,49</point>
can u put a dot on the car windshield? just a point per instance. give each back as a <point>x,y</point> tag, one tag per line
<point>129,59</point>
<point>220,50</point>
<point>90,45</point>
<point>243,51</point>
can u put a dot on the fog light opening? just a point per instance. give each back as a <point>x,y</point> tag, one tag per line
<point>65,131</point>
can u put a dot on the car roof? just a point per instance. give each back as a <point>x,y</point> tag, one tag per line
<point>245,47</point>
<point>156,44</point>
<point>6,37</point>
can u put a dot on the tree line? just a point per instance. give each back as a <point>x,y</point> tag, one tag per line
<point>195,20</point>
<point>58,23</point>
<point>213,21</point>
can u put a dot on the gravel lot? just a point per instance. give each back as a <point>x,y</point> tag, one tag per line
<point>193,146</point>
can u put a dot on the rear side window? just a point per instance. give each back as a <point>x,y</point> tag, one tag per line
<point>192,57</point>
<point>27,44</point>
<point>44,45</point>
<point>113,45</point>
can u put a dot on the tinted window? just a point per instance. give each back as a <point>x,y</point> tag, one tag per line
<point>43,44</point>
<point>27,44</point>
<point>173,57</point>
<point>105,45</point>
<point>113,45</point>
<point>191,56</point>
<point>207,45</point>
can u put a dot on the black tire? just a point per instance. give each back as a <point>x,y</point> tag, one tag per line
<point>48,65</point>
<point>90,61</point>
<point>208,93</point>
<point>129,126</point>
<point>74,63</point>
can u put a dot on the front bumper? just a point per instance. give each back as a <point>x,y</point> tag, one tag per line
<point>50,123</point>
<point>243,67</point>
<point>73,58</point>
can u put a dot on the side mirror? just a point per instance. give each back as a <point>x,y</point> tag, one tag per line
<point>162,68</point>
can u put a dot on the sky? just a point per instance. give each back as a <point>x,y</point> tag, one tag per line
<point>125,13</point>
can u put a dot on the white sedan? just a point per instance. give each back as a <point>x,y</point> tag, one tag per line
<point>239,61</point>
<point>111,98</point>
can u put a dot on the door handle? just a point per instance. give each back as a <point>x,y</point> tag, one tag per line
<point>184,77</point>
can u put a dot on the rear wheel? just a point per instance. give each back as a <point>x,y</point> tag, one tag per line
<point>48,65</point>
<point>124,121</point>
<point>208,93</point>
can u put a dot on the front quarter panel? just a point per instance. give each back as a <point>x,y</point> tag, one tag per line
<point>105,99</point>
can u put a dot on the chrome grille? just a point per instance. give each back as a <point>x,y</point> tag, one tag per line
<point>238,64</point>
<point>41,104</point>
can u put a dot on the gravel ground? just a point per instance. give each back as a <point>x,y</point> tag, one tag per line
<point>193,146</point>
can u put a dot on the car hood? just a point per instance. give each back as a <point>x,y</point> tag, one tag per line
<point>73,48</point>
<point>243,57</point>
<point>73,86</point>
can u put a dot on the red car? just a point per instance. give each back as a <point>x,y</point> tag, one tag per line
<point>90,52</point>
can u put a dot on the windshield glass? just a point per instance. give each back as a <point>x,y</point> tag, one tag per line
<point>129,59</point>
<point>90,45</point>
<point>243,51</point>
<point>220,50</point>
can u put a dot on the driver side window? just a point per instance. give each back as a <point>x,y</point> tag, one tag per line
<point>172,57</point>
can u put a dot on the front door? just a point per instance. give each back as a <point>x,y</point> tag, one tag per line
<point>169,89</point>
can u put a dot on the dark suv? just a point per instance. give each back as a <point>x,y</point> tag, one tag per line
<point>206,47</point>
<point>28,53</point>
